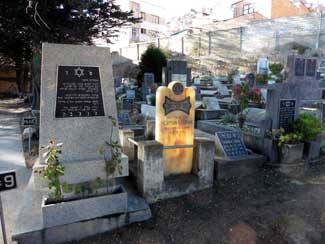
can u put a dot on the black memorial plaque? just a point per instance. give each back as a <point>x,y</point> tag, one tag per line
<point>79,92</point>
<point>286,113</point>
<point>8,180</point>
<point>300,67</point>
<point>232,143</point>
<point>311,67</point>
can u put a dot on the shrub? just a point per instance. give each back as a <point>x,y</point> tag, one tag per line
<point>309,126</point>
<point>276,68</point>
<point>152,61</point>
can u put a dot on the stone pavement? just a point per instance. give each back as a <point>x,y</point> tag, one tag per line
<point>12,158</point>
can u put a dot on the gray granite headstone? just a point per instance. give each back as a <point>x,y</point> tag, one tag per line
<point>302,71</point>
<point>76,101</point>
<point>282,104</point>
<point>211,103</point>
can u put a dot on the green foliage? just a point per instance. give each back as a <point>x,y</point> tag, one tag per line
<point>299,48</point>
<point>309,126</point>
<point>54,169</point>
<point>261,79</point>
<point>152,61</point>
<point>276,68</point>
<point>290,138</point>
<point>67,188</point>
<point>229,118</point>
<point>112,154</point>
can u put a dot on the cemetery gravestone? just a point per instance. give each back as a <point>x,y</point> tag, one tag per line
<point>251,80</point>
<point>148,80</point>
<point>177,70</point>
<point>263,66</point>
<point>175,111</point>
<point>130,94</point>
<point>127,103</point>
<point>302,71</point>
<point>230,144</point>
<point>211,103</point>
<point>76,101</point>
<point>282,104</point>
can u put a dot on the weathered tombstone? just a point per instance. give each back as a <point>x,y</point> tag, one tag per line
<point>251,80</point>
<point>127,103</point>
<point>230,144</point>
<point>123,118</point>
<point>175,113</point>
<point>302,71</point>
<point>148,80</point>
<point>130,94</point>
<point>118,81</point>
<point>223,89</point>
<point>263,66</point>
<point>76,102</point>
<point>282,104</point>
<point>211,103</point>
<point>177,70</point>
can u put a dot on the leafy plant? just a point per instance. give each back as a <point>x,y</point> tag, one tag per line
<point>229,118</point>
<point>261,79</point>
<point>290,138</point>
<point>67,188</point>
<point>112,153</point>
<point>54,169</point>
<point>309,126</point>
<point>276,68</point>
<point>244,95</point>
<point>275,134</point>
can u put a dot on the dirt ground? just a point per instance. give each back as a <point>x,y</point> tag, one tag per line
<point>264,208</point>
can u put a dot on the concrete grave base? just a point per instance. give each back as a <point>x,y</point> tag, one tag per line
<point>205,114</point>
<point>72,211</point>
<point>29,227</point>
<point>148,170</point>
<point>227,168</point>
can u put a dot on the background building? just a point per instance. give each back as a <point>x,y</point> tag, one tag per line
<point>270,9</point>
<point>152,25</point>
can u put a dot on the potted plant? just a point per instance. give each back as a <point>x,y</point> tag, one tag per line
<point>310,127</point>
<point>291,147</point>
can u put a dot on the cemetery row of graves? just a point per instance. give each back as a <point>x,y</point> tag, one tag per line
<point>108,148</point>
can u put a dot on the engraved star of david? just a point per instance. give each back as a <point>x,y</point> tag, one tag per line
<point>78,72</point>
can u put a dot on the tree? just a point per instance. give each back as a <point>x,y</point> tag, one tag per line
<point>24,25</point>
<point>152,61</point>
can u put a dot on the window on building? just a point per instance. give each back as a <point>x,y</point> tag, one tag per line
<point>143,15</point>
<point>135,7</point>
<point>135,34</point>
<point>143,31</point>
<point>248,9</point>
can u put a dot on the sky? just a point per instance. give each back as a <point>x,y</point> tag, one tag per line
<point>180,7</point>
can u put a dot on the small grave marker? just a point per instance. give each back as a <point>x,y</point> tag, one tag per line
<point>7,182</point>
<point>30,122</point>
<point>231,143</point>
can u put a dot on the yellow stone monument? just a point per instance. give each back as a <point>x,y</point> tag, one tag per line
<point>175,111</point>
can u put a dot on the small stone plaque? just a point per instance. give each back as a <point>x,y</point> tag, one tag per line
<point>232,143</point>
<point>300,67</point>
<point>128,104</point>
<point>311,67</point>
<point>286,112</point>
<point>79,92</point>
